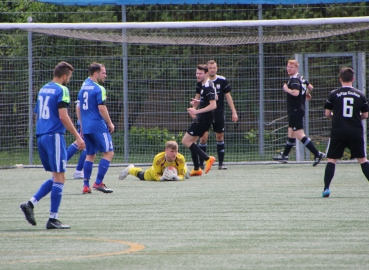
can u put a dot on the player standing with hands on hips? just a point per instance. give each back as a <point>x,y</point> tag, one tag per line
<point>52,120</point>
<point>346,107</point>
<point>202,121</point>
<point>223,89</point>
<point>96,126</point>
<point>297,90</point>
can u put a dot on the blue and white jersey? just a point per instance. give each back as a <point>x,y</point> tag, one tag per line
<point>90,97</point>
<point>47,108</point>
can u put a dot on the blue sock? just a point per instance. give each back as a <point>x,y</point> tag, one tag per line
<point>72,149</point>
<point>44,189</point>
<point>55,197</point>
<point>81,160</point>
<point>87,170</point>
<point>103,168</point>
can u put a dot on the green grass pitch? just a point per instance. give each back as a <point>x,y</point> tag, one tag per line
<point>248,217</point>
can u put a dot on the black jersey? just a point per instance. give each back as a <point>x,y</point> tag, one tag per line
<point>207,93</point>
<point>298,102</point>
<point>222,87</point>
<point>347,103</point>
<point>303,88</point>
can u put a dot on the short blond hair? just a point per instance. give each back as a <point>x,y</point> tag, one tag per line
<point>171,145</point>
<point>293,62</point>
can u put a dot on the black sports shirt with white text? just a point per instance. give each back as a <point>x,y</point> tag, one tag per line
<point>347,103</point>
<point>295,103</point>
<point>222,87</point>
<point>207,93</point>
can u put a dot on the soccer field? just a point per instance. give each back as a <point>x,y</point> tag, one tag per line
<point>248,217</point>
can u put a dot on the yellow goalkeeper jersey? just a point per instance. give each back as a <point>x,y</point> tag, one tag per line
<point>160,163</point>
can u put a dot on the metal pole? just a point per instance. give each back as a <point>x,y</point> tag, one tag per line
<point>261,83</point>
<point>299,145</point>
<point>30,95</point>
<point>361,71</point>
<point>305,73</point>
<point>125,89</point>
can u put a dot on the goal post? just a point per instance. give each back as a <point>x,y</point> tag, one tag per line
<point>155,85</point>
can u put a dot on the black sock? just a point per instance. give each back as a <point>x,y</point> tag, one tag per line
<point>141,175</point>
<point>195,149</point>
<point>221,151</point>
<point>203,148</point>
<point>328,175</point>
<point>309,145</point>
<point>195,160</point>
<point>365,169</point>
<point>291,142</point>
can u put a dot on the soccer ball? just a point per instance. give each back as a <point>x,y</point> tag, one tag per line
<point>172,169</point>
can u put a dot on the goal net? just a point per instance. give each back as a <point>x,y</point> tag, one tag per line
<point>151,79</point>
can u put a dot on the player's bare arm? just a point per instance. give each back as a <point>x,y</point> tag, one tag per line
<point>212,106</point>
<point>105,114</point>
<point>364,115</point>
<point>232,107</point>
<point>292,92</point>
<point>195,101</point>
<point>328,113</point>
<point>67,122</point>
<point>78,113</point>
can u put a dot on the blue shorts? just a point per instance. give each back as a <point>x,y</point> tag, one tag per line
<point>96,142</point>
<point>53,152</point>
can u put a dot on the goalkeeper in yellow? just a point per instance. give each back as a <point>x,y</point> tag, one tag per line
<point>157,172</point>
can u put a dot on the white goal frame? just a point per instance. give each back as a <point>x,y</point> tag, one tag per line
<point>195,24</point>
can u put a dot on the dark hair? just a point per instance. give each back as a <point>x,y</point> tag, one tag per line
<point>203,67</point>
<point>347,74</point>
<point>94,67</point>
<point>63,68</point>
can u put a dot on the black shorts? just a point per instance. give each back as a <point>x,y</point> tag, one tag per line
<point>198,128</point>
<point>218,123</point>
<point>296,119</point>
<point>336,147</point>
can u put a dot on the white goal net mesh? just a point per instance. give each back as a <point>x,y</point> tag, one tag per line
<point>224,36</point>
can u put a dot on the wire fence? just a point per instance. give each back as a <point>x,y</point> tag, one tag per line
<point>161,79</point>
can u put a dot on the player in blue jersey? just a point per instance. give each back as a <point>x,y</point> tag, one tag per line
<point>52,120</point>
<point>71,151</point>
<point>96,126</point>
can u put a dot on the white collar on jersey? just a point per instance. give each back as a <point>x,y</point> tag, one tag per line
<point>294,76</point>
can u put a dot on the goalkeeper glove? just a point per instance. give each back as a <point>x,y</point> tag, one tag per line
<point>176,178</point>
<point>167,175</point>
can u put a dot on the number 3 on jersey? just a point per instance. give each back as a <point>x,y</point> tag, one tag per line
<point>347,106</point>
<point>85,101</point>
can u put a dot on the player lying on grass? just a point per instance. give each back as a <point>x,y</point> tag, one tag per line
<point>157,172</point>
